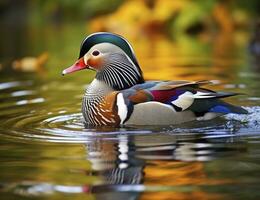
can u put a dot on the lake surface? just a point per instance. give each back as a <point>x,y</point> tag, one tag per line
<point>46,153</point>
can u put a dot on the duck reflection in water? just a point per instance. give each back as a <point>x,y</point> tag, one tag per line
<point>130,168</point>
<point>121,171</point>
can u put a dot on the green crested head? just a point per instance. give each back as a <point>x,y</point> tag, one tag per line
<point>106,37</point>
<point>112,57</point>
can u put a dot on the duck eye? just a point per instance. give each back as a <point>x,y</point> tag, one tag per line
<point>95,53</point>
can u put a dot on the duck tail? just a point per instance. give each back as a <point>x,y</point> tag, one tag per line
<point>226,108</point>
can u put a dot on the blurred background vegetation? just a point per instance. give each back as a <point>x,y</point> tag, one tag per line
<point>47,30</point>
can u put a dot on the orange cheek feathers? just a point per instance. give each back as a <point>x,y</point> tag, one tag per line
<point>95,63</point>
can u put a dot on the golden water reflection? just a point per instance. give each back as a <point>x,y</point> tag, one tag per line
<point>180,166</point>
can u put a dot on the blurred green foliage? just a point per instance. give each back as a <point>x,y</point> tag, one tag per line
<point>43,21</point>
<point>252,7</point>
<point>76,9</point>
<point>194,13</point>
<point>195,10</point>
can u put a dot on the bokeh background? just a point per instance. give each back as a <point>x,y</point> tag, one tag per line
<point>164,33</point>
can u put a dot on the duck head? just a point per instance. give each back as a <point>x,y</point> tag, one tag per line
<point>113,59</point>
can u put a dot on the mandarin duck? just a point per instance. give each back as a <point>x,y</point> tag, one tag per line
<point>119,95</point>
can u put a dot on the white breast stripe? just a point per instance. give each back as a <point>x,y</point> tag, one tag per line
<point>122,108</point>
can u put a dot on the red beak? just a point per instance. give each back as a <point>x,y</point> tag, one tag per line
<point>79,65</point>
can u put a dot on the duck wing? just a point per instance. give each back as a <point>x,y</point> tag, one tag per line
<point>174,96</point>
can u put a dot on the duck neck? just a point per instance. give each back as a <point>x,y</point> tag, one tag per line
<point>119,72</point>
<point>98,88</point>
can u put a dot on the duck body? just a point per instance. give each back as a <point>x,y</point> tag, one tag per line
<point>119,95</point>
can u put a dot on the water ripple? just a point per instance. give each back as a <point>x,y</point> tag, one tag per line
<point>69,127</point>
<point>7,85</point>
<point>27,116</point>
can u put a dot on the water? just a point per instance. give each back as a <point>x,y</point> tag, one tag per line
<point>47,153</point>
